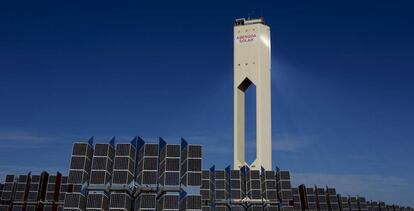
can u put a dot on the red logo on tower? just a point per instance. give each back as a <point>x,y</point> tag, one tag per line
<point>248,38</point>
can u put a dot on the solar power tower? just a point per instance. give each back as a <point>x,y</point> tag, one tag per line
<point>101,174</point>
<point>123,176</point>
<point>191,165</point>
<point>252,66</point>
<point>79,172</point>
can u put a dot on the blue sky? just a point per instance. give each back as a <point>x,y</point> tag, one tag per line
<point>342,88</point>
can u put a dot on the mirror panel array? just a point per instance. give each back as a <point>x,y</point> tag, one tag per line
<point>139,176</point>
<point>135,176</point>
<point>31,192</point>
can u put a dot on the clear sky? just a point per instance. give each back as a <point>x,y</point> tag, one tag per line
<point>342,85</point>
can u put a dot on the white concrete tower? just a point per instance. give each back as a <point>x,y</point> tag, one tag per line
<point>252,65</point>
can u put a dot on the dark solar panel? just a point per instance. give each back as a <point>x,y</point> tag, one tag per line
<point>219,174</point>
<point>194,179</point>
<point>270,184</point>
<point>151,163</point>
<point>205,174</point>
<point>123,149</point>
<point>32,196</point>
<point>220,194</point>
<point>121,177</point>
<point>149,177</point>
<point>255,184</point>
<point>220,184</point>
<point>254,174</point>
<point>193,202</point>
<point>47,208</point>
<point>98,177</point>
<point>286,195</point>
<point>172,178</point>
<point>235,184</point>
<point>235,194</point>
<point>72,200</point>
<point>256,194</point>
<point>76,177</point>
<point>94,201</point>
<point>6,195</point>
<point>9,178</point>
<point>121,163</point>
<point>194,164</point>
<point>205,194</point>
<point>79,149</point>
<point>99,163</point>
<point>21,187</point>
<point>101,149</point>
<point>205,184</point>
<point>285,175</point>
<point>171,201</point>
<point>64,179</point>
<point>173,150</point>
<point>194,151</point>
<point>22,179</point>
<point>17,208</point>
<point>120,200</point>
<point>50,196</point>
<point>151,150</point>
<point>271,195</point>
<point>18,196</point>
<point>34,187</point>
<point>148,201</point>
<point>235,174</point>
<point>285,185</point>
<point>172,164</point>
